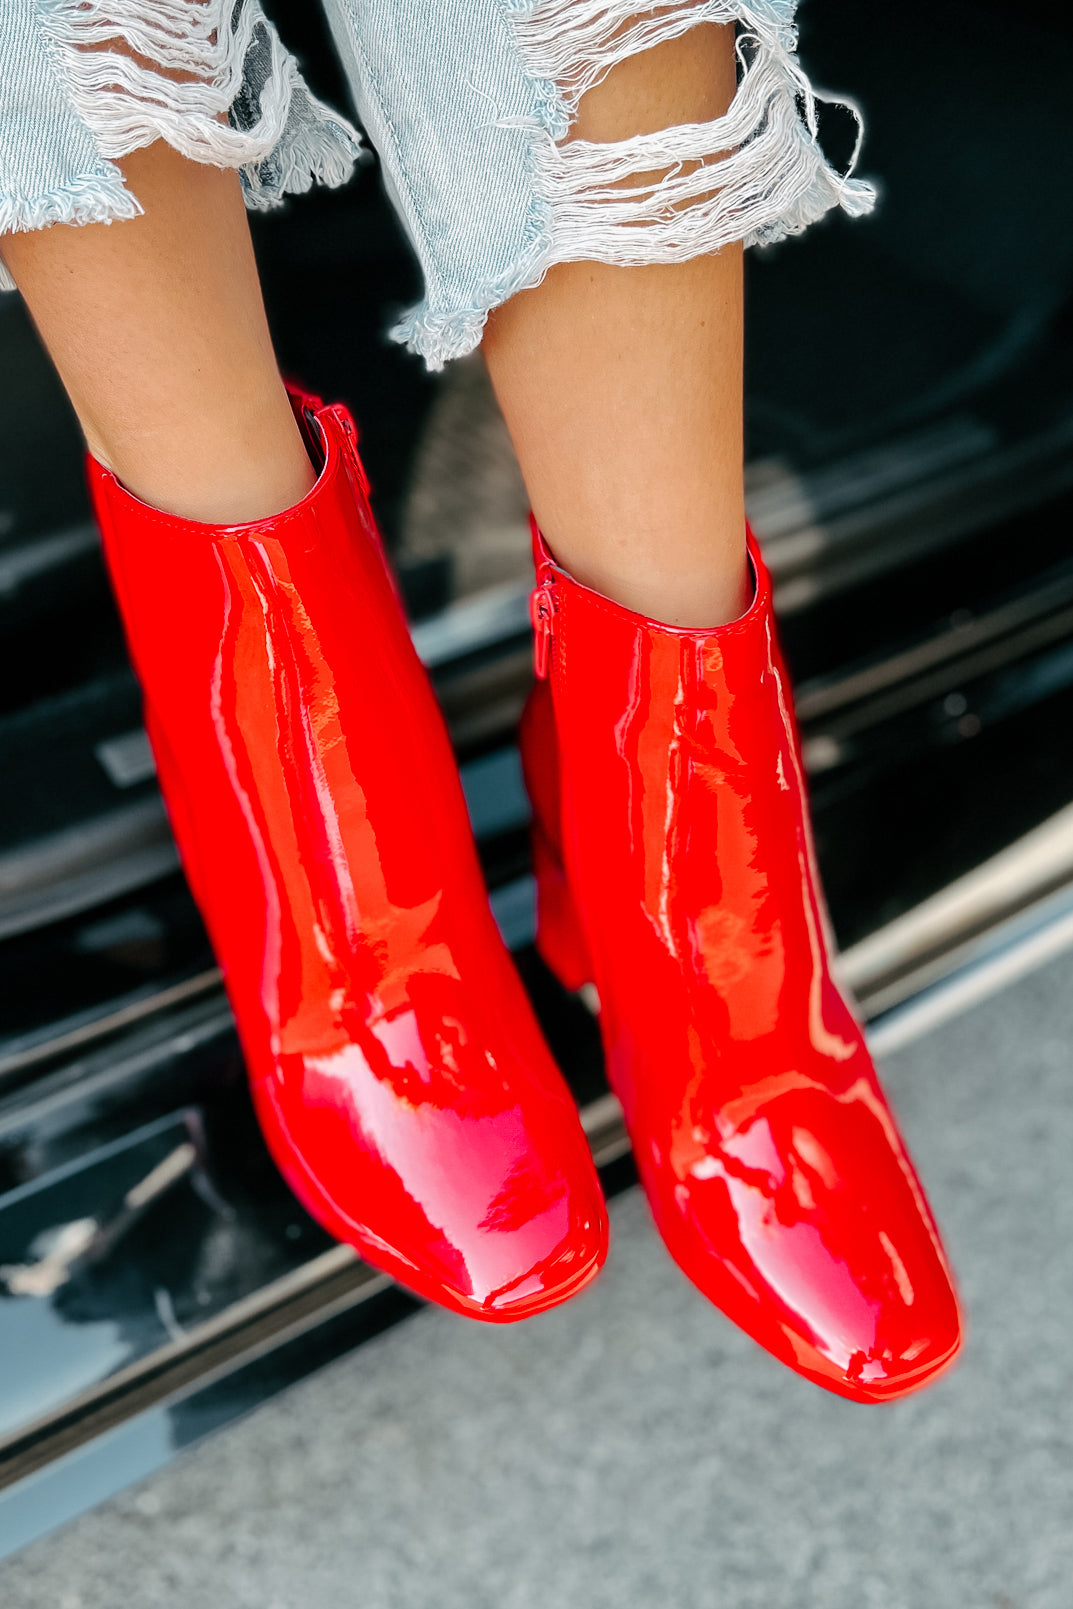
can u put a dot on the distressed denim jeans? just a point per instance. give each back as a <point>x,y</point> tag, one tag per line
<point>469,104</point>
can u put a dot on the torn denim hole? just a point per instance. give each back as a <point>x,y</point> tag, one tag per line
<point>211,77</point>
<point>756,174</point>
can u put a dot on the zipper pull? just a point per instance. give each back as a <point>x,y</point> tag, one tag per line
<point>543,607</point>
<point>345,420</point>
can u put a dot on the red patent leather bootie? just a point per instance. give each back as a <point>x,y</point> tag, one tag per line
<point>397,1071</point>
<point>675,862</point>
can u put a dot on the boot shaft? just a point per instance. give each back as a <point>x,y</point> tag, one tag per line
<point>276,662</point>
<point>684,814</point>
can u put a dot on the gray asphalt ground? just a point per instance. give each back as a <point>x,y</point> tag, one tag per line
<point>633,1450</point>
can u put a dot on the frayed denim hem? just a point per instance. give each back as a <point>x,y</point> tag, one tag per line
<point>439,337</point>
<point>88,198</point>
<point>756,175</point>
<point>210,77</point>
<point>240,101</point>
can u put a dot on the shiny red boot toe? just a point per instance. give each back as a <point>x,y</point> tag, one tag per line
<point>675,869</point>
<point>397,1071</point>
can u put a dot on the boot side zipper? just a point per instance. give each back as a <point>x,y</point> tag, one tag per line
<point>543,607</point>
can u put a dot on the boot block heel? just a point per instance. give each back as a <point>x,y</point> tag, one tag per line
<point>559,939</point>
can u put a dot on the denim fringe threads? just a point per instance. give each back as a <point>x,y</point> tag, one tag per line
<point>469,103</point>
<point>69,105</point>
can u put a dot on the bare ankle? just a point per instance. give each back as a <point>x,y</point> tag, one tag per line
<point>689,602</point>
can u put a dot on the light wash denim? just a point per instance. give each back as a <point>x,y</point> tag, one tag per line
<point>67,112</point>
<point>469,104</point>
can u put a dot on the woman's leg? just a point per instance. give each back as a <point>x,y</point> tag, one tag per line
<point>667,766</point>
<point>157,328</point>
<point>622,386</point>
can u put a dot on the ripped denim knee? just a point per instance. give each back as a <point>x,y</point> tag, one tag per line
<point>84,82</point>
<point>471,103</point>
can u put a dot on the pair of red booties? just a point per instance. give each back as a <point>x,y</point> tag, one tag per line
<point>398,1073</point>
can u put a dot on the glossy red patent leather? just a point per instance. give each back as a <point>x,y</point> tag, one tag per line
<point>397,1071</point>
<point>769,1154</point>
